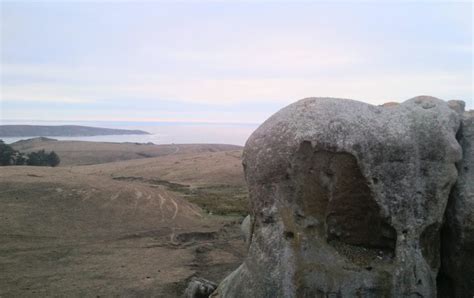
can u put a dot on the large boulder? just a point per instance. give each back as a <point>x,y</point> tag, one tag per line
<point>347,199</point>
<point>456,278</point>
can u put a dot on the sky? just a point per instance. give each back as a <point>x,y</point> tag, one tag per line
<point>224,61</point>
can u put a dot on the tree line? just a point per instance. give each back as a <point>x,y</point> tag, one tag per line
<point>10,157</point>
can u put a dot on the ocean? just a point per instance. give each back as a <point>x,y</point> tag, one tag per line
<point>160,132</point>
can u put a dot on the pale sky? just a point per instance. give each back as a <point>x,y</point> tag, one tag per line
<point>224,61</point>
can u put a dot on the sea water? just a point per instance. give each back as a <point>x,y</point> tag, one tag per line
<point>160,132</point>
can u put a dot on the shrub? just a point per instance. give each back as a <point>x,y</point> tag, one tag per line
<point>9,156</point>
<point>6,154</point>
<point>53,159</point>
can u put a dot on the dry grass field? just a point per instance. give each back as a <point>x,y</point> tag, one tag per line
<point>140,227</point>
<point>88,153</point>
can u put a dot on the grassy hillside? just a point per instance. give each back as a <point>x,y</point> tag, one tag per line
<point>88,153</point>
<point>127,228</point>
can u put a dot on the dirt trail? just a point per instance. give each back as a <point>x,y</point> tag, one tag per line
<point>176,208</point>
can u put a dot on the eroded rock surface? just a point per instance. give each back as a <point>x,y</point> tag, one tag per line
<point>347,199</point>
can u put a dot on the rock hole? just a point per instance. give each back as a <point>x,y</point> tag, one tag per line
<point>289,235</point>
<point>331,188</point>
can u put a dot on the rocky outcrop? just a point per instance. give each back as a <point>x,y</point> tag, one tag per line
<point>456,278</point>
<point>199,288</point>
<point>348,199</point>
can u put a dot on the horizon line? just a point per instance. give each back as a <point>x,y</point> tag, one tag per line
<point>131,121</point>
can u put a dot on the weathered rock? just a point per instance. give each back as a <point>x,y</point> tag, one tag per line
<point>199,288</point>
<point>457,105</point>
<point>246,228</point>
<point>347,199</point>
<point>456,278</point>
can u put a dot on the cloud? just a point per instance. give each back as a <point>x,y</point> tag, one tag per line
<point>49,93</point>
<point>230,91</point>
<point>105,59</point>
<point>270,55</point>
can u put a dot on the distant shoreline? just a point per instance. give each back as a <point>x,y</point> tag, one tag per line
<point>15,131</point>
<point>158,133</point>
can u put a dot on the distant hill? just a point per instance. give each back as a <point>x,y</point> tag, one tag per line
<point>31,142</point>
<point>62,131</point>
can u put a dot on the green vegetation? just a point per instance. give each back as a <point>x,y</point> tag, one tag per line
<point>41,158</point>
<point>217,199</point>
<point>10,157</point>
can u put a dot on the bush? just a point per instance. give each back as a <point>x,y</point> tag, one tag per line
<point>9,156</point>
<point>53,159</point>
<point>6,154</point>
<point>36,158</point>
<point>41,158</point>
<point>20,159</point>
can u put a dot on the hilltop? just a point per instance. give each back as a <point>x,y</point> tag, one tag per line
<point>62,131</point>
